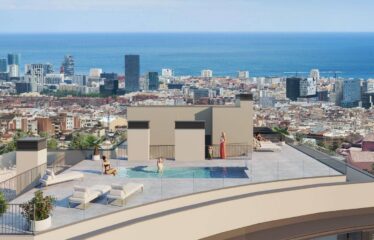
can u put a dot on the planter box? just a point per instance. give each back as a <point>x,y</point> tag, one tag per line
<point>96,157</point>
<point>36,226</point>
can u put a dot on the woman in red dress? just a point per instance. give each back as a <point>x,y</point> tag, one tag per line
<point>222,146</point>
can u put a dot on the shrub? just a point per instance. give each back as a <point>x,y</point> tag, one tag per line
<point>3,204</point>
<point>39,207</point>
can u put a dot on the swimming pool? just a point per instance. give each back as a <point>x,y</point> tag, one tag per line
<point>184,172</point>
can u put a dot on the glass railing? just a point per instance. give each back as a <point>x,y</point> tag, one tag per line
<point>173,182</point>
<point>21,183</point>
<point>176,180</point>
<point>12,220</point>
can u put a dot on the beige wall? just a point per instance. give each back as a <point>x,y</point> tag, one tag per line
<point>210,219</point>
<point>162,120</point>
<point>138,144</point>
<point>189,144</point>
<point>26,160</point>
<point>236,121</point>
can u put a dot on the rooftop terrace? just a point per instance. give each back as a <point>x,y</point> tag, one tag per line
<point>264,166</point>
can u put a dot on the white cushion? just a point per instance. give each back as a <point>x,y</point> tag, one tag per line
<point>47,177</point>
<point>81,195</point>
<point>50,173</point>
<point>118,186</point>
<point>117,193</point>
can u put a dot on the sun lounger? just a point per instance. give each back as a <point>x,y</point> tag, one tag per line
<point>84,195</point>
<point>122,192</point>
<point>50,178</point>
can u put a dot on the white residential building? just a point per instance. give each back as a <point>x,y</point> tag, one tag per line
<point>96,72</point>
<point>314,73</point>
<point>206,73</point>
<point>243,74</point>
<point>166,72</point>
<point>54,78</point>
<point>13,70</point>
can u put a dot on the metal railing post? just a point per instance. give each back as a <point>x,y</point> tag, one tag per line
<point>34,218</point>
<point>193,182</point>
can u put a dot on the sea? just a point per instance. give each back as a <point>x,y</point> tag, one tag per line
<point>348,55</point>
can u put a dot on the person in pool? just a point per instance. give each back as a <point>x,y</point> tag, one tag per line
<point>160,165</point>
<point>107,168</point>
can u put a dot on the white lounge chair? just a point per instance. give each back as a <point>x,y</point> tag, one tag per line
<point>122,192</point>
<point>50,178</point>
<point>84,195</point>
<point>268,147</point>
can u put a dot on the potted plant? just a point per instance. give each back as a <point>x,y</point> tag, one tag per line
<point>3,204</point>
<point>96,153</point>
<point>38,211</point>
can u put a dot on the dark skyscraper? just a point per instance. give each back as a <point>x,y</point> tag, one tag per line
<point>13,59</point>
<point>293,88</point>
<point>153,81</point>
<point>132,73</point>
<point>110,86</point>
<point>68,66</point>
<point>3,65</point>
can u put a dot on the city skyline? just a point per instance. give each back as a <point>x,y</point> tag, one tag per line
<point>185,16</point>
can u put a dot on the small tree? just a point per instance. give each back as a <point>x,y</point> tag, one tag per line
<point>299,137</point>
<point>321,144</point>
<point>44,134</point>
<point>334,146</point>
<point>52,143</point>
<point>39,207</point>
<point>3,204</point>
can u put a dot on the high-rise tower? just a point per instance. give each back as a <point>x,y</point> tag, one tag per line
<point>13,64</point>
<point>132,73</point>
<point>68,66</point>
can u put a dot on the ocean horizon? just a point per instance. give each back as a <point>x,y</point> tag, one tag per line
<point>260,53</point>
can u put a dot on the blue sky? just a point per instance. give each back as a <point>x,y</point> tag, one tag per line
<point>186,16</point>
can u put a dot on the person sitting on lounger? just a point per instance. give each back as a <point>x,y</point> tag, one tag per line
<point>260,138</point>
<point>107,168</point>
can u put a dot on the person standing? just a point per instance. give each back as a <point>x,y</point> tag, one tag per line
<point>160,165</point>
<point>222,146</point>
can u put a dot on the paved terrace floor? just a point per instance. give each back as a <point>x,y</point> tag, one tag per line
<point>264,166</point>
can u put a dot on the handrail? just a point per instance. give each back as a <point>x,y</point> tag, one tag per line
<point>330,159</point>
<point>12,221</point>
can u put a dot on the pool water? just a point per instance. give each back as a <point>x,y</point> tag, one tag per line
<point>184,172</point>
